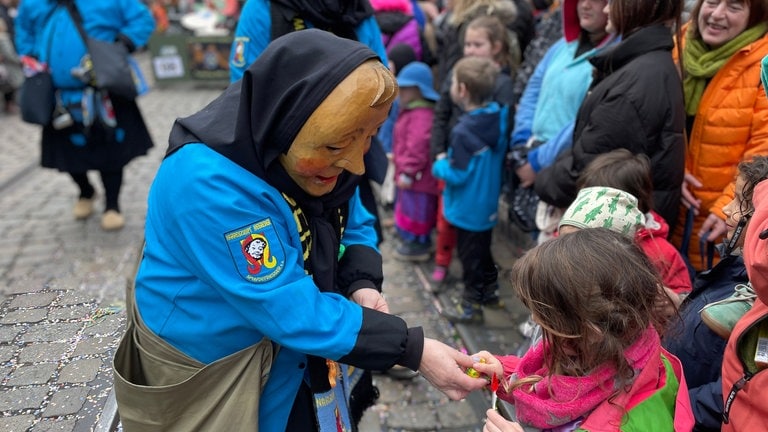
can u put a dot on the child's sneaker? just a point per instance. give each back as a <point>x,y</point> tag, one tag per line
<point>439,273</point>
<point>721,316</point>
<point>493,302</point>
<point>465,312</point>
<point>412,251</point>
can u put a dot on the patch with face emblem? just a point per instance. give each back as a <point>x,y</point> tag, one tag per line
<point>257,251</point>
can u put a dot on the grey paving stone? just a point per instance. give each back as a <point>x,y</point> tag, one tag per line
<point>73,297</point>
<point>32,374</point>
<point>461,415</point>
<point>67,313</point>
<point>51,332</point>
<point>94,345</point>
<point>66,401</point>
<point>24,286</point>
<point>107,325</point>
<point>33,300</point>
<point>18,399</point>
<point>9,333</point>
<point>44,351</point>
<point>54,424</point>
<point>418,417</point>
<point>7,352</point>
<point>80,371</point>
<point>16,423</point>
<point>24,316</point>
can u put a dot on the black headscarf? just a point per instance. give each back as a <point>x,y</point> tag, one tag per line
<point>258,117</point>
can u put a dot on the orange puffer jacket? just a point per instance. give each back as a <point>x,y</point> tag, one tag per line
<point>731,125</point>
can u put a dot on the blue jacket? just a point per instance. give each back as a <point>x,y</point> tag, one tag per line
<point>194,283</point>
<point>46,31</point>
<point>699,349</point>
<point>472,171</point>
<point>253,33</point>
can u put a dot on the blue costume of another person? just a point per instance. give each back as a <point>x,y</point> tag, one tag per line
<point>352,19</point>
<point>96,138</point>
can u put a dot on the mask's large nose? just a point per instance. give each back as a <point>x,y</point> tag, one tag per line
<point>354,162</point>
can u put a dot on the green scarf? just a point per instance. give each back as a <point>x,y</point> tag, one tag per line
<point>702,63</point>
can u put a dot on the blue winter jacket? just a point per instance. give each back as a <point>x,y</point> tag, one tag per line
<point>699,349</point>
<point>547,109</point>
<point>254,32</point>
<point>46,31</point>
<point>472,170</point>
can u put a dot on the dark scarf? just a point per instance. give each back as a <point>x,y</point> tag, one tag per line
<point>257,118</point>
<point>340,17</point>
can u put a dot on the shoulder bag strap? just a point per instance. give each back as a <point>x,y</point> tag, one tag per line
<point>78,20</point>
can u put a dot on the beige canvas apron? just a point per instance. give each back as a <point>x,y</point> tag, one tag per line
<point>159,388</point>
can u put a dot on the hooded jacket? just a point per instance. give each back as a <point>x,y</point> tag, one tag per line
<point>745,386</point>
<point>472,169</point>
<point>635,102</point>
<point>699,349</point>
<point>220,184</point>
<point>652,239</point>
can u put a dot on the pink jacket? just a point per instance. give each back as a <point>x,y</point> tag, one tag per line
<point>410,146</point>
<point>665,257</point>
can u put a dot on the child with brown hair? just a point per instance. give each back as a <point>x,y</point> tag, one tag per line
<point>600,364</point>
<point>631,173</point>
<point>471,170</point>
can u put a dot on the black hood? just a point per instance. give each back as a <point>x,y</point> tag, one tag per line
<point>258,117</point>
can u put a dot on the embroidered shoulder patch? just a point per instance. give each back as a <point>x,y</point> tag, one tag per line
<point>238,59</point>
<point>257,251</point>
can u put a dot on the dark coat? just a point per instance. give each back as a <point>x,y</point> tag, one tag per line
<point>699,349</point>
<point>635,102</point>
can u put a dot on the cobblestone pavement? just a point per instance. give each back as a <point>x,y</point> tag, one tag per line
<point>62,288</point>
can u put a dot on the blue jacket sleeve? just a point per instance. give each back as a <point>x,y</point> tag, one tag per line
<point>707,404</point>
<point>526,108</point>
<point>138,23</point>
<point>443,170</point>
<point>28,24</point>
<point>545,154</point>
<point>252,34</point>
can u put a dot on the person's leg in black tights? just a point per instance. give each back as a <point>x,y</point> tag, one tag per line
<point>86,188</point>
<point>113,181</point>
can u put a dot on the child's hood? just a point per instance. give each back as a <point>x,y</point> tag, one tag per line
<point>484,124</point>
<point>756,248</point>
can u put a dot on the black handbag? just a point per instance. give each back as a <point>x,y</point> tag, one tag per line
<point>111,69</point>
<point>37,99</point>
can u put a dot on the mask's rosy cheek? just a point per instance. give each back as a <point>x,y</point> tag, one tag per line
<point>310,166</point>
